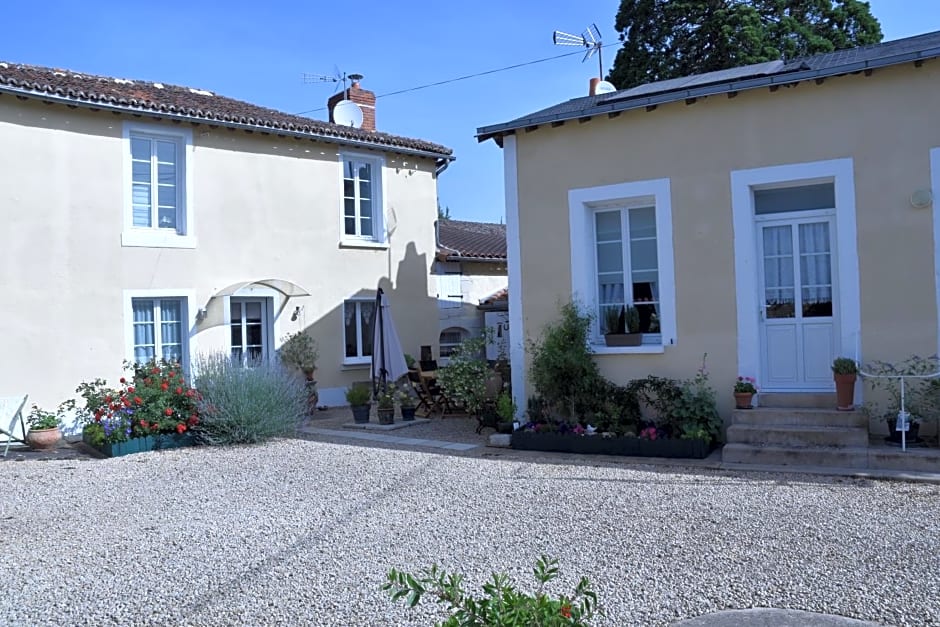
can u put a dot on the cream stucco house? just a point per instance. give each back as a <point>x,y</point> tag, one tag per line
<point>773,216</point>
<point>145,220</point>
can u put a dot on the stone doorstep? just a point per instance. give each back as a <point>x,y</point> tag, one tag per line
<point>798,416</point>
<point>868,458</point>
<point>797,435</point>
<point>374,426</point>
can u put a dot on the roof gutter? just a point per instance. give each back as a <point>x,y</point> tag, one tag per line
<point>613,105</point>
<point>438,156</point>
<point>464,258</point>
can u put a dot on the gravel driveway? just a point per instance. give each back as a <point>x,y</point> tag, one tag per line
<point>301,533</point>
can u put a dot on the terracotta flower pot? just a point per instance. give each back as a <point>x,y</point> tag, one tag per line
<point>742,400</point>
<point>43,439</point>
<point>845,391</point>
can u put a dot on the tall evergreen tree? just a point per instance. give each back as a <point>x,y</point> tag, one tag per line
<point>665,39</point>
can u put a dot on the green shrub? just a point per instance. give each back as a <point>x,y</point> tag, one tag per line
<point>563,371</point>
<point>358,395</point>
<point>501,604</point>
<point>464,377</point>
<point>247,405</point>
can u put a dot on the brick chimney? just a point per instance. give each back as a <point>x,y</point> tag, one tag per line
<point>362,97</point>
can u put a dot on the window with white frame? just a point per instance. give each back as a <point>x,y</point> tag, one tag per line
<point>157,187</point>
<point>249,330</point>
<point>358,329</point>
<point>362,198</point>
<point>159,331</point>
<point>622,255</point>
<point>627,265</point>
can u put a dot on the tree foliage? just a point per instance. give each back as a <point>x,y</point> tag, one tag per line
<point>665,39</point>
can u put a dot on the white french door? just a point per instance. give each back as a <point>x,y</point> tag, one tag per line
<point>249,330</point>
<point>798,304</point>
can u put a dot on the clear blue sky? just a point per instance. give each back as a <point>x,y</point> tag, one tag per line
<point>257,52</point>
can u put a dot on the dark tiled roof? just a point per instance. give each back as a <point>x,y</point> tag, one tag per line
<point>471,240</point>
<point>917,48</point>
<point>197,105</point>
<point>495,297</point>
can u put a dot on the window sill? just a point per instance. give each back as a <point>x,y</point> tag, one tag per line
<point>154,239</point>
<point>354,243</point>
<point>645,349</point>
<point>354,363</point>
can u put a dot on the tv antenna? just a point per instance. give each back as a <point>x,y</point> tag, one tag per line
<point>337,77</point>
<point>590,39</point>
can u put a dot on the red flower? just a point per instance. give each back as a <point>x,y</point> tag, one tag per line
<point>147,381</point>
<point>155,371</point>
<point>143,423</point>
<point>192,421</point>
<point>164,387</point>
<point>168,411</point>
<point>172,374</point>
<point>179,390</point>
<point>138,400</point>
<point>189,393</point>
<point>180,428</point>
<point>130,390</point>
<point>107,399</point>
<point>566,610</point>
<point>123,380</point>
<point>127,402</point>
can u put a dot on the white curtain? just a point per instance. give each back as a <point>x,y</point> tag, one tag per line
<point>815,263</point>
<point>171,329</point>
<point>143,330</point>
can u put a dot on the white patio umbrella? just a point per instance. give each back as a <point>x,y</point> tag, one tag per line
<point>388,358</point>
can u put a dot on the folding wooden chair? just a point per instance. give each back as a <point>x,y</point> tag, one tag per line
<point>424,398</point>
<point>12,424</point>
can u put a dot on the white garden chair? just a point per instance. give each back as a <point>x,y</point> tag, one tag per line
<point>12,424</point>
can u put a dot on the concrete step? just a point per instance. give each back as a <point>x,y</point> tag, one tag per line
<point>854,457</point>
<point>801,436</point>
<point>812,400</point>
<point>797,416</point>
<point>913,459</point>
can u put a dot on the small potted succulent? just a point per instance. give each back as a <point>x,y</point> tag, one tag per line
<point>385,404</point>
<point>44,432</point>
<point>845,372</point>
<point>358,398</point>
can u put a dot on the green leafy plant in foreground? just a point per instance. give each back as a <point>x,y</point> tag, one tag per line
<point>501,604</point>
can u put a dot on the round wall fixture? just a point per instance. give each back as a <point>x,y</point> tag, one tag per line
<point>921,199</point>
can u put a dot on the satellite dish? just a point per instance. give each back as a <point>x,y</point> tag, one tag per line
<point>604,87</point>
<point>347,113</point>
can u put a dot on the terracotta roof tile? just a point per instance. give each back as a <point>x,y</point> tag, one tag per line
<point>194,104</point>
<point>479,240</point>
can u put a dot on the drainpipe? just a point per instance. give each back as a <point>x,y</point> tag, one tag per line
<point>442,164</point>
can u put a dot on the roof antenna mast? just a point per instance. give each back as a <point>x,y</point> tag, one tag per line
<point>590,39</point>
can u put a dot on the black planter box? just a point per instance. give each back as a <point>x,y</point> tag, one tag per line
<point>598,445</point>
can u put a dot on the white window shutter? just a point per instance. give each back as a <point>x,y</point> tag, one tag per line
<point>449,295</point>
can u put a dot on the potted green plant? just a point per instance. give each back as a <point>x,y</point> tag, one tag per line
<point>744,390</point>
<point>921,394</point>
<point>845,372</point>
<point>622,326</point>
<point>411,362</point>
<point>358,398</point>
<point>385,404</point>
<point>506,411</point>
<point>44,432</point>
<point>407,404</point>
<point>299,350</point>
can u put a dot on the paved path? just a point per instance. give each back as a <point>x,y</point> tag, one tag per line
<point>391,439</point>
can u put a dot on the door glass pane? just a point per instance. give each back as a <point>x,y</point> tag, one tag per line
<point>815,270</point>
<point>778,272</point>
<point>253,311</point>
<point>140,149</point>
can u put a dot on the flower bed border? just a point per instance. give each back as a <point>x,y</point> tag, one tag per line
<point>160,442</point>
<point>599,445</point>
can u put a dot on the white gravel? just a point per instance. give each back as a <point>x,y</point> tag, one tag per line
<point>301,533</point>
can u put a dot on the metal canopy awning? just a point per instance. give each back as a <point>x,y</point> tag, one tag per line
<point>285,287</point>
